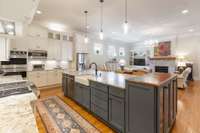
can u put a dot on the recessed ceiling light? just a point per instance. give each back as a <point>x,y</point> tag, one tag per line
<point>191,30</point>
<point>39,12</point>
<point>185,11</point>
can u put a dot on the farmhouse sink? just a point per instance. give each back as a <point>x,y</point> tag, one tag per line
<point>84,79</point>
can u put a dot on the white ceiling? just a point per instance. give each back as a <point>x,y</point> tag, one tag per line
<point>147,18</point>
<point>18,10</point>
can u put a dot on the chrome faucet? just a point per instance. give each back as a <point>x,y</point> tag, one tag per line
<point>90,66</point>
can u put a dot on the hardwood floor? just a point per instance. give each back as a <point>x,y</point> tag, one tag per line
<point>188,117</point>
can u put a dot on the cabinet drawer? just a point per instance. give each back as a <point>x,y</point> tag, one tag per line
<point>100,94</point>
<point>117,92</point>
<point>101,103</point>
<point>99,112</point>
<point>99,86</point>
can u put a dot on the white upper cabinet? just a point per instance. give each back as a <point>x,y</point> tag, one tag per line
<point>54,49</point>
<point>81,47</point>
<point>4,49</point>
<point>19,43</point>
<point>36,38</point>
<point>67,51</point>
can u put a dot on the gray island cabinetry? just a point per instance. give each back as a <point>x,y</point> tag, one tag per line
<point>82,95</point>
<point>128,104</point>
<point>151,103</point>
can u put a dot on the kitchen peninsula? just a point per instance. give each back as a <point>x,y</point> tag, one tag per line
<point>126,103</point>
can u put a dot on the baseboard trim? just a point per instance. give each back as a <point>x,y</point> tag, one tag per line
<point>49,86</point>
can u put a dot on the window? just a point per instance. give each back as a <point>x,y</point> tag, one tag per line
<point>121,51</point>
<point>111,51</point>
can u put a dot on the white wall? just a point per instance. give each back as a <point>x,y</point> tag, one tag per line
<point>187,45</point>
<point>104,56</point>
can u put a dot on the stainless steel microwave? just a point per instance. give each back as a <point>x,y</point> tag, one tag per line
<point>37,54</point>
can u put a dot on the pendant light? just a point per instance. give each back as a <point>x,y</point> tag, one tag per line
<point>126,18</point>
<point>101,36</point>
<point>86,36</point>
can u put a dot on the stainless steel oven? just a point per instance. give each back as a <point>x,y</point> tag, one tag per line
<point>37,54</point>
<point>17,64</point>
<point>38,67</point>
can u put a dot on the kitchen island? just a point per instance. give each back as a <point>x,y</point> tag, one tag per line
<point>126,103</point>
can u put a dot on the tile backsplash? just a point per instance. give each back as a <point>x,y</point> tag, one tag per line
<point>49,64</point>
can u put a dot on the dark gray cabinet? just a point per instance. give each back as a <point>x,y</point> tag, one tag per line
<point>86,96</point>
<point>68,85</point>
<point>151,109</point>
<point>77,93</point>
<point>82,95</point>
<point>140,109</point>
<point>117,108</point>
<point>99,100</point>
<point>116,113</point>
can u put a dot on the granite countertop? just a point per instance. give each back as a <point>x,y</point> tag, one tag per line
<point>119,80</point>
<point>109,78</point>
<point>113,79</point>
<point>153,79</point>
<point>16,114</point>
<point>47,69</point>
<point>77,73</point>
<point>11,79</point>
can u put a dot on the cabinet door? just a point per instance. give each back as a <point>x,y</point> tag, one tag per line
<point>66,51</point>
<point>51,77</point>
<point>77,94</point>
<point>58,76</point>
<point>54,49</point>
<point>4,49</point>
<point>70,86</point>
<point>58,49</point>
<point>116,112</point>
<point>140,109</point>
<point>32,77</point>
<point>63,83</point>
<point>86,96</point>
<point>21,43</point>
<point>42,78</point>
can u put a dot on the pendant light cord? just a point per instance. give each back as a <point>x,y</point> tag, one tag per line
<point>85,23</point>
<point>101,14</point>
<point>126,11</point>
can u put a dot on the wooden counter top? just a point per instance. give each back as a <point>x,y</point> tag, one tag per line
<point>153,79</point>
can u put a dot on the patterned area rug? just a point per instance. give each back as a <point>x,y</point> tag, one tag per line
<point>58,117</point>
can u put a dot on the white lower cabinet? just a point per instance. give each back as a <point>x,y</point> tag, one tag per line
<point>45,78</point>
<point>4,49</point>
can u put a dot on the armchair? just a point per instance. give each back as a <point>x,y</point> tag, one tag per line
<point>182,78</point>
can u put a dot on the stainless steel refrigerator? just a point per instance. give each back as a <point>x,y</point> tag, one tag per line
<point>82,61</point>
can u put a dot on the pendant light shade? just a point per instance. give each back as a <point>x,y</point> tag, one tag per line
<point>101,35</point>
<point>125,26</point>
<point>86,36</point>
<point>86,40</point>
